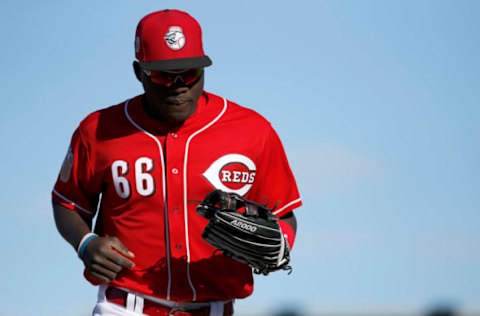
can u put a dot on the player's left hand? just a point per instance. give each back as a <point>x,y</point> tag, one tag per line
<point>253,237</point>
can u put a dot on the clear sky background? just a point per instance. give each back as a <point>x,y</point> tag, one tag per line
<point>378,105</point>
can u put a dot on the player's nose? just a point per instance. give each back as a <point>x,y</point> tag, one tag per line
<point>179,89</point>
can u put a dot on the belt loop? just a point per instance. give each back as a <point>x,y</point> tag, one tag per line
<point>102,293</point>
<point>130,306</point>
<point>138,304</point>
<point>216,308</point>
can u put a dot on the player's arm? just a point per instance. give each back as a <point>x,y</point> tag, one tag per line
<point>288,224</point>
<point>70,224</point>
<point>291,220</point>
<point>104,257</point>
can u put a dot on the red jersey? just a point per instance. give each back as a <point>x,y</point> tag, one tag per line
<point>146,183</point>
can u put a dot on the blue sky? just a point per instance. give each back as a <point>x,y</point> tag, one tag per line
<point>378,105</point>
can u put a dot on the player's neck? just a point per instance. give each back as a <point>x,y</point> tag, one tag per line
<point>168,126</point>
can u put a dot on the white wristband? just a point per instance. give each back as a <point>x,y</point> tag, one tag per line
<point>83,243</point>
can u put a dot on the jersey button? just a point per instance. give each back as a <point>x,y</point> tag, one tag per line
<point>178,246</point>
<point>175,171</point>
<point>174,135</point>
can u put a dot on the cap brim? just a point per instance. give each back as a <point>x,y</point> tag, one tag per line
<point>174,64</point>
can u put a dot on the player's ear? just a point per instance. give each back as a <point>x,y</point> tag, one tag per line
<point>137,70</point>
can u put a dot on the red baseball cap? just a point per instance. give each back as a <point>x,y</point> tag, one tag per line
<point>169,40</point>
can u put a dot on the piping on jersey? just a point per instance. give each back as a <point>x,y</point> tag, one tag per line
<point>185,205</point>
<point>287,205</point>
<point>73,203</point>
<point>167,229</point>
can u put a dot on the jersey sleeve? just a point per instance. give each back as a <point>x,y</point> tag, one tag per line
<point>274,181</point>
<point>76,188</point>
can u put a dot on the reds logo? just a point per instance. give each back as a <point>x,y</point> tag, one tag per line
<point>175,38</point>
<point>232,173</point>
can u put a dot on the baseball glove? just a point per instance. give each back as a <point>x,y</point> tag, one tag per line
<point>246,231</point>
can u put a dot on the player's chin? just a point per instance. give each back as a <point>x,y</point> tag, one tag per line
<point>178,113</point>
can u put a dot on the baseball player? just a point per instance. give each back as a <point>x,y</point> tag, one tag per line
<point>141,167</point>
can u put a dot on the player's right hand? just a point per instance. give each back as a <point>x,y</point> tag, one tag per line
<point>105,257</point>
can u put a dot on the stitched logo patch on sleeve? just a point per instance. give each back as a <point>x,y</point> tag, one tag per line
<point>67,166</point>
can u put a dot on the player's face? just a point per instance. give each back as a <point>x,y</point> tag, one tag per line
<point>173,97</point>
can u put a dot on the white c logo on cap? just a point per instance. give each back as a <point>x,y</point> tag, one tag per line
<point>175,38</point>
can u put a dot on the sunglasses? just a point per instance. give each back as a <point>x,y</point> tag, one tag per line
<point>169,79</point>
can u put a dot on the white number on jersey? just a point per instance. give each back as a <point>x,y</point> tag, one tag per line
<point>119,171</point>
<point>144,182</point>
